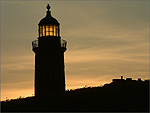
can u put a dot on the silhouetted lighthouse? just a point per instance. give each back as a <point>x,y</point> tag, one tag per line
<point>49,57</point>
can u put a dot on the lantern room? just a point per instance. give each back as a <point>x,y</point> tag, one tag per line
<point>49,26</point>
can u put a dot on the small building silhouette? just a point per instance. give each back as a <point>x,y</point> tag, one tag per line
<point>49,51</point>
<point>128,80</point>
<point>118,80</point>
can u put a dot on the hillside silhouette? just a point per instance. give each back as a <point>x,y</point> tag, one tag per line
<point>118,96</point>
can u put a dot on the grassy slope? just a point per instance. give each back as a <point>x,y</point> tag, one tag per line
<point>111,97</point>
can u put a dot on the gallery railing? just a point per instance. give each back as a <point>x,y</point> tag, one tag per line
<point>34,44</point>
<point>63,43</point>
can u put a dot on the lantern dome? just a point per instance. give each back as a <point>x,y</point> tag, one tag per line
<point>48,20</point>
<point>49,26</point>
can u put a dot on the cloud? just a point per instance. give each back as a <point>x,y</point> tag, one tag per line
<point>75,82</point>
<point>135,53</point>
<point>17,62</point>
<point>17,69</point>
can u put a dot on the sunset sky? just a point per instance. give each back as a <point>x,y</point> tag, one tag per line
<point>106,39</point>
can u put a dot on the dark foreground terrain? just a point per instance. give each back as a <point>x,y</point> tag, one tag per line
<point>116,96</point>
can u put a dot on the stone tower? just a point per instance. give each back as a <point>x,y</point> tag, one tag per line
<point>49,51</point>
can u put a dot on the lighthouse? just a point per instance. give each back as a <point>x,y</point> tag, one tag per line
<point>49,51</point>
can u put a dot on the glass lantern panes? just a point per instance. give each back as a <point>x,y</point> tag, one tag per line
<point>48,30</point>
<point>41,32</point>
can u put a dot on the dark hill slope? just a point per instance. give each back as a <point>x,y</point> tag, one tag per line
<point>121,96</point>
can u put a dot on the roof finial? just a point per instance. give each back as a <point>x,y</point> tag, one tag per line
<point>48,7</point>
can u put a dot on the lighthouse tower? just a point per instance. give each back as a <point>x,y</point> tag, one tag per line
<point>49,51</point>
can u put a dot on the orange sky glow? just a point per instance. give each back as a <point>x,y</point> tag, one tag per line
<point>105,40</point>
